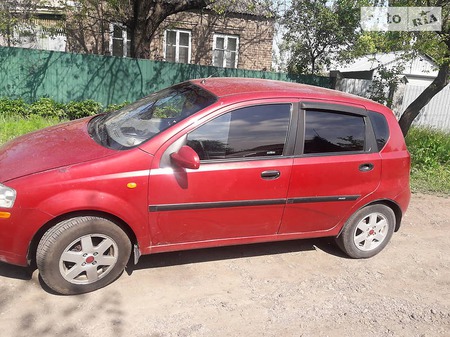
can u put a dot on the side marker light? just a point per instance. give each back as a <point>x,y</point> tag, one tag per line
<point>5,215</point>
<point>131,185</point>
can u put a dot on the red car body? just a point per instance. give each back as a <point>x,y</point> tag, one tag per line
<point>62,172</point>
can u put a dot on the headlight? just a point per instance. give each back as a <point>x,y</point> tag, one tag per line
<point>7,196</point>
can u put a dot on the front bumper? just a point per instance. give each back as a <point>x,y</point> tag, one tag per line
<point>17,232</point>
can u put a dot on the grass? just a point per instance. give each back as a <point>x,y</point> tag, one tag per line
<point>11,127</point>
<point>430,160</point>
<point>430,151</point>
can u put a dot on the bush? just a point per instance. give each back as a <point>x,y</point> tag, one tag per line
<point>49,108</point>
<point>114,107</point>
<point>13,107</point>
<point>75,110</point>
<point>428,148</point>
<point>430,160</point>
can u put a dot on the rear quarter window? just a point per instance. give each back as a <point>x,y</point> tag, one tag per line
<point>380,128</point>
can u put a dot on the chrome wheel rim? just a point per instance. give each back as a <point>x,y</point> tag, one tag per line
<point>88,259</point>
<point>371,232</point>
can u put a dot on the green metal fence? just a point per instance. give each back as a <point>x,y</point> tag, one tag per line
<point>31,74</point>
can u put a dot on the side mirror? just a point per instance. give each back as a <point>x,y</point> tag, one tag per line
<point>186,157</point>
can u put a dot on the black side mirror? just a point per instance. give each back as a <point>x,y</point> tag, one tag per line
<point>186,157</point>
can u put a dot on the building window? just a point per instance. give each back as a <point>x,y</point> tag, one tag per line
<point>177,46</point>
<point>225,51</point>
<point>119,43</point>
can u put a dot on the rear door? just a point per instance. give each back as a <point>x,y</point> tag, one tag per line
<point>336,165</point>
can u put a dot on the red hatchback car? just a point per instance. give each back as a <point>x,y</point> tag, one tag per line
<point>211,162</point>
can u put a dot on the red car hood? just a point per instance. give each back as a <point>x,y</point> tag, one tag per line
<point>49,148</point>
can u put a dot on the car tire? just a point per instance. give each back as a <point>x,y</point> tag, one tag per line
<point>82,254</point>
<point>367,231</point>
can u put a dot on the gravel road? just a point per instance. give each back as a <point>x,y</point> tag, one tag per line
<point>295,288</point>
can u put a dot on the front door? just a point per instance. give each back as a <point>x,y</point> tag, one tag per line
<point>241,186</point>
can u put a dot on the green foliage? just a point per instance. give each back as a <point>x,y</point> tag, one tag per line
<point>18,117</point>
<point>434,44</point>
<point>49,108</point>
<point>13,107</point>
<point>114,107</point>
<point>429,148</point>
<point>430,160</point>
<point>75,110</point>
<point>165,112</point>
<point>14,126</point>
<point>385,83</point>
<point>317,31</point>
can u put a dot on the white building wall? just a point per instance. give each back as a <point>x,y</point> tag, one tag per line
<point>436,114</point>
<point>354,86</point>
<point>419,72</point>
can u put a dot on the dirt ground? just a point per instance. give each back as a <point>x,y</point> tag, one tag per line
<point>296,288</point>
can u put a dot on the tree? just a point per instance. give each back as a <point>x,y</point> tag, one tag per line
<point>16,19</point>
<point>90,19</point>
<point>435,44</point>
<point>320,30</point>
<point>317,31</point>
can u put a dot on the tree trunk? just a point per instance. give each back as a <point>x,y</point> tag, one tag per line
<point>148,15</point>
<point>413,110</point>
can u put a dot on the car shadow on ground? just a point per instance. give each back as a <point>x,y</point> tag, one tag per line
<point>202,255</point>
<point>234,252</point>
<point>16,272</point>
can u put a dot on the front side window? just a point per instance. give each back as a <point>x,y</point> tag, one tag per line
<point>120,43</point>
<point>256,131</point>
<point>328,132</point>
<point>225,53</point>
<point>144,119</point>
<point>177,46</point>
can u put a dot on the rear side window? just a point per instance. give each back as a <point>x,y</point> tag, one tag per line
<point>329,132</point>
<point>256,131</point>
<point>380,128</point>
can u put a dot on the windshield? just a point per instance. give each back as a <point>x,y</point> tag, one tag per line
<point>140,121</point>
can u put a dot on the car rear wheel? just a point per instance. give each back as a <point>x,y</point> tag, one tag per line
<point>367,232</point>
<point>82,254</point>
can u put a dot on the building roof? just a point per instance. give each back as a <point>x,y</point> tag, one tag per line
<point>420,65</point>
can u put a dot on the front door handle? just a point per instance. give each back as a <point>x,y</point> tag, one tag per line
<point>366,167</point>
<point>271,174</point>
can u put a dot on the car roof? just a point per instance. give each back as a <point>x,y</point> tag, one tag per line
<point>238,87</point>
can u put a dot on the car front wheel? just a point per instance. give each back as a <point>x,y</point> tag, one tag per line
<point>367,232</point>
<point>82,254</point>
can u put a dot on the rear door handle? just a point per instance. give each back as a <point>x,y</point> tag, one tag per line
<point>366,167</point>
<point>271,174</point>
